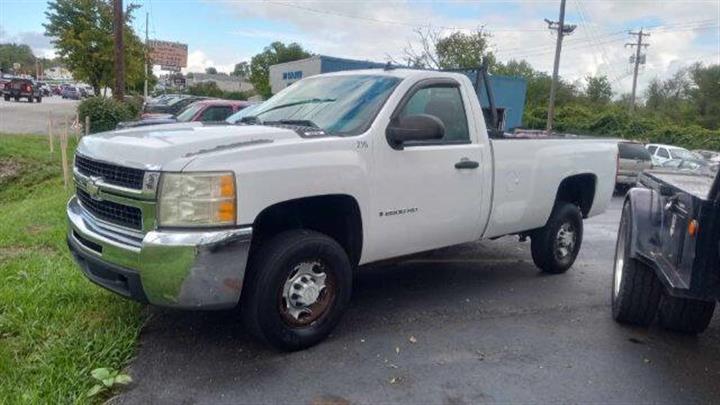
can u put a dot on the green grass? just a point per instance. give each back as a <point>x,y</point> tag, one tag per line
<point>55,326</point>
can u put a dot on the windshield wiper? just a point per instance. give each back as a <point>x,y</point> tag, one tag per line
<point>302,123</point>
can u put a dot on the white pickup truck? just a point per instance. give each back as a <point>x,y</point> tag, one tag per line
<point>276,213</point>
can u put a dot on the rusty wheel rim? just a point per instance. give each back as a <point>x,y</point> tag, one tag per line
<point>307,294</point>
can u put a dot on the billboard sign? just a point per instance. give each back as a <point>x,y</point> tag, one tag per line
<point>169,55</point>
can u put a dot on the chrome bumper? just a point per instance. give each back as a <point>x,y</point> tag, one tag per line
<point>178,269</point>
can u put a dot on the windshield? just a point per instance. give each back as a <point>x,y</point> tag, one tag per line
<point>189,112</point>
<point>248,111</point>
<point>678,153</point>
<point>340,105</point>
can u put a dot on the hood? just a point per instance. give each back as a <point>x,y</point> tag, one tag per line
<point>146,121</point>
<point>172,146</point>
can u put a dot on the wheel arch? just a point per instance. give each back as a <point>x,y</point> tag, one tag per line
<point>644,221</point>
<point>336,215</point>
<point>578,189</point>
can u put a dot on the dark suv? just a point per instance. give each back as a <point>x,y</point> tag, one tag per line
<point>22,88</point>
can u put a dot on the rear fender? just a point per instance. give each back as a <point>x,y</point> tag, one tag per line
<point>645,207</point>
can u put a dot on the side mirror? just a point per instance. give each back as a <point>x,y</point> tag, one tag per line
<point>419,127</point>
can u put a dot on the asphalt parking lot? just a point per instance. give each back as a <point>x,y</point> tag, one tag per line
<point>468,324</point>
<point>21,117</point>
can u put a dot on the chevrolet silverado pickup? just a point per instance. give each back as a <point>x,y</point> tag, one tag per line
<point>275,214</point>
<point>666,260</point>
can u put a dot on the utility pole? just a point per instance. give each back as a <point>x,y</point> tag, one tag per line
<point>118,24</point>
<point>145,90</point>
<point>637,59</point>
<point>562,30</point>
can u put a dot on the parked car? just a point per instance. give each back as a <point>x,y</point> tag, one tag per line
<point>202,111</point>
<point>633,158</point>
<point>72,92</point>
<point>690,165</point>
<point>22,88</point>
<point>44,88</point>
<point>662,153</point>
<point>708,155</point>
<point>337,171</point>
<point>666,260</point>
<point>172,107</point>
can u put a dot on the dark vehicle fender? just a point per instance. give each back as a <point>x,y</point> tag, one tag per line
<point>645,207</point>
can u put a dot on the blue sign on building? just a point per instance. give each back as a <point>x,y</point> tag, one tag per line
<point>295,75</point>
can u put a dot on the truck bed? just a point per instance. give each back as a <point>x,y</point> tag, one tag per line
<point>528,172</point>
<point>696,184</point>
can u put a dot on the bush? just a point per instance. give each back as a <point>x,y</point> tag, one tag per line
<point>105,113</point>
<point>616,122</point>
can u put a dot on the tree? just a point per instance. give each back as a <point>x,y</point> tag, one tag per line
<point>211,71</point>
<point>82,36</point>
<point>705,94</point>
<point>17,53</point>
<point>242,70</point>
<point>538,83</point>
<point>598,89</point>
<point>455,51</point>
<point>276,52</point>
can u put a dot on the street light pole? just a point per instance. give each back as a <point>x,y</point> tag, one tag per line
<point>118,24</point>
<point>145,89</point>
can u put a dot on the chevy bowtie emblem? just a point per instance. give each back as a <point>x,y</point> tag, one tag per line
<point>92,187</point>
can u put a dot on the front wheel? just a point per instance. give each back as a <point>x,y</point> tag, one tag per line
<point>636,289</point>
<point>556,246</point>
<point>299,285</point>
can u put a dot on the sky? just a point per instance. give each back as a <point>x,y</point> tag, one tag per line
<point>222,33</point>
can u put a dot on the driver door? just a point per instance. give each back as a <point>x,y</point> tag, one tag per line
<point>429,194</point>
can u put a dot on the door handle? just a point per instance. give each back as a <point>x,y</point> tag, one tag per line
<point>467,164</point>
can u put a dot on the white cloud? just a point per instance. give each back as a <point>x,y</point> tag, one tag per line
<point>323,27</point>
<point>198,61</point>
<point>37,41</point>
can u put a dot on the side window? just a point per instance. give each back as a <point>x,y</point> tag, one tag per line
<point>663,153</point>
<point>216,113</point>
<point>445,103</point>
<point>652,149</point>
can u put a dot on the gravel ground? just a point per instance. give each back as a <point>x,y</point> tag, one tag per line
<point>21,117</point>
<point>468,324</point>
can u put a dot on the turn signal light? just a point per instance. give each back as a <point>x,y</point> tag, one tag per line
<point>693,227</point>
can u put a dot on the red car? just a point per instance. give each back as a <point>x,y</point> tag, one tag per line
<point>204,111</point>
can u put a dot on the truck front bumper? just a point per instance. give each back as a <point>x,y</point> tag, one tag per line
<point>194,269</point>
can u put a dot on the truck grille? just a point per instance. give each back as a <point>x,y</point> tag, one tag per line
<point>112,174</point>
<point>115,213</point>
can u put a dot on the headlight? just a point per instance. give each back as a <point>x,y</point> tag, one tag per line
<point>196,199</point>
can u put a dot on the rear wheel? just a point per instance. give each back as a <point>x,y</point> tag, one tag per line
<point>685,315</point>
<point>30,99</point>
<point>636,290</point>
<point>299,286</point>
<point>17,98</point>
<point>39,99</point>
<point>7,98</point>
<point>555,247</point>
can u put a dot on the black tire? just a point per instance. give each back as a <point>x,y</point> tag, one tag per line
<point>17,98</point>
<point>30,99</point>
<point>547,246</point>
<point>39,99</point>
<point>685,315</point>
<point>636,290</point>
<point>7,98</point>
<point>264,306</point>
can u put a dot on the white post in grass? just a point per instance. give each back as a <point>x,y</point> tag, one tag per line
<point>87,125</point>
<point>63,152</point>
<point>50,134</point>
